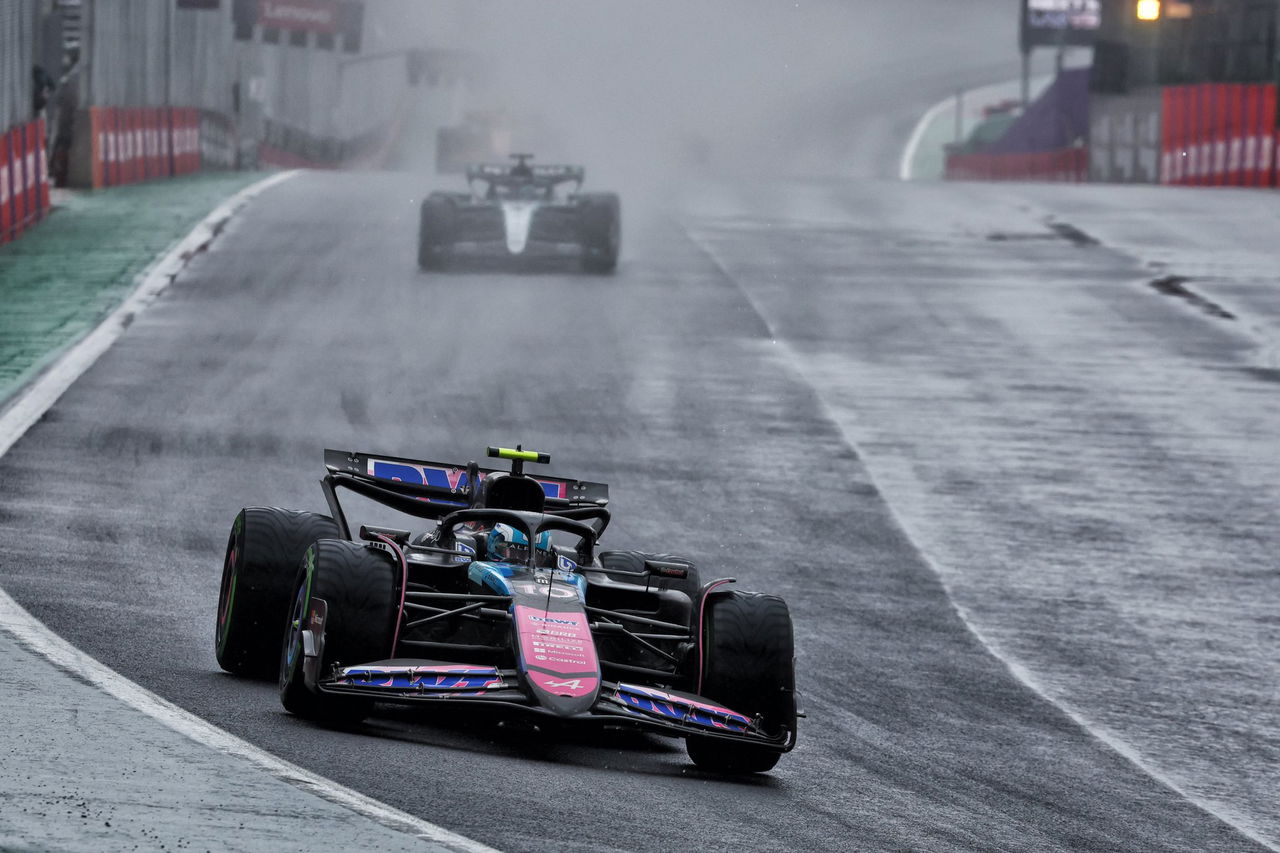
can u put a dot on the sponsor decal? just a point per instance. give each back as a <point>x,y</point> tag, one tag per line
<point>442,477</point>
<point>540,588</point>
<point>684,709</point>
<point>575,687</point>
<point>558,651</point>
<point>574,683</point>
<point>422,678</point>
<point>319,16</point>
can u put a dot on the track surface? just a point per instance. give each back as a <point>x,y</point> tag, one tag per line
<point>299,331</point>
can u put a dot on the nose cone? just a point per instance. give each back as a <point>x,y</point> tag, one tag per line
<point>556,651</point>
<point>517,218</point>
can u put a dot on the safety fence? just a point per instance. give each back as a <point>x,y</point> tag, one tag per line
<point>140,143</point>
<point>1219,134</point>
<point>24,179</point>
<point>1069,165</point>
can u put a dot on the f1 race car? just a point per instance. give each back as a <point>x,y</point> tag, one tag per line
<point>521,211</point>
<point>506,602</point>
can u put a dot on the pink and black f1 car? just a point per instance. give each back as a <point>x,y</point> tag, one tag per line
<point>505,602</point>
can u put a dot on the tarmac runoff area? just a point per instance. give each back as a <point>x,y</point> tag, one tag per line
<point>83,770</point>
<point>89,760</point>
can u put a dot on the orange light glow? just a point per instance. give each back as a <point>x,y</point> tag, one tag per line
<point>1148,10</point>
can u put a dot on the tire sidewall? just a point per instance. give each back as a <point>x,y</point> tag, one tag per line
<point>358,585</point>
<point>258,569</point>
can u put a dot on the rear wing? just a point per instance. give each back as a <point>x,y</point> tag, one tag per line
<point>544,175</point>
<point>445,486</point>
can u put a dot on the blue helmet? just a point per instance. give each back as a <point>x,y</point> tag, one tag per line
<point>508,545</point>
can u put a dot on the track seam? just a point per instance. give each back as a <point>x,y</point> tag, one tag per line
<point>28,407</point>
<point>1015,669</point>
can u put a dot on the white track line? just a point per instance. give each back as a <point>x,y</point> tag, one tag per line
<point>917,136</point>
<point>28,408</point>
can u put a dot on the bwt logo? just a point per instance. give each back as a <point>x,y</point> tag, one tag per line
<point>571,622</point>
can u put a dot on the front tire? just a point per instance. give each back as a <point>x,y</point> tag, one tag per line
<point>749,667</point>
<point>261,561</point>
<point>600,222</point>
<point>436,224</point>
<point>360,585</point>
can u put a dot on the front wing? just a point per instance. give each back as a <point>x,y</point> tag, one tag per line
<point>552,230</point>
<point>661,711</point>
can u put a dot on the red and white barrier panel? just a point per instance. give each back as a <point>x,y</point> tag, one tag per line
<point>1219,134</point>
<point>142,143</point>
<point>24,179</point>
<point>1067,165</point>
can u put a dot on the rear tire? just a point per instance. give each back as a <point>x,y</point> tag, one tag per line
<point>435,231</point>
<point>600,221</point>
<point>360,586</point>
<point>749,667</point>
<point>261,561</point>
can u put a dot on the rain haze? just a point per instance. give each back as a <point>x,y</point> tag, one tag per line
<point>894,382</point>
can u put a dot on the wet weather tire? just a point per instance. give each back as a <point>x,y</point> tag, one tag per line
<point>263,552</point>
<point>436,225</point>
<point>749,667</point>
<point>600,224</point>
<point>360,586</point>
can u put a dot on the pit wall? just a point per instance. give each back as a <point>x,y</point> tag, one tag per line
<point>24,179</point>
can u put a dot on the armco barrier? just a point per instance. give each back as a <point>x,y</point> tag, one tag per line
<point>24,179</point>
<point>139,144</point>
<point>1219,134</point>
<point>1067,165</point>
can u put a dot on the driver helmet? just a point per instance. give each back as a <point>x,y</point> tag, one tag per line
<point>508,545</point>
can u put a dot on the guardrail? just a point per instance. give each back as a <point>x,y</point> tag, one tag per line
<point>24,179</point>
<point>137,144</point>
<point>1219,134</point>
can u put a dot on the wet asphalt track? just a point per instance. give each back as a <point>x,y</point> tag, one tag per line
<point>308,326</point>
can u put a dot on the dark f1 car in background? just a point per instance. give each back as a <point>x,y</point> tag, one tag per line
<point>506,602</point>
<point>521,211</point>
